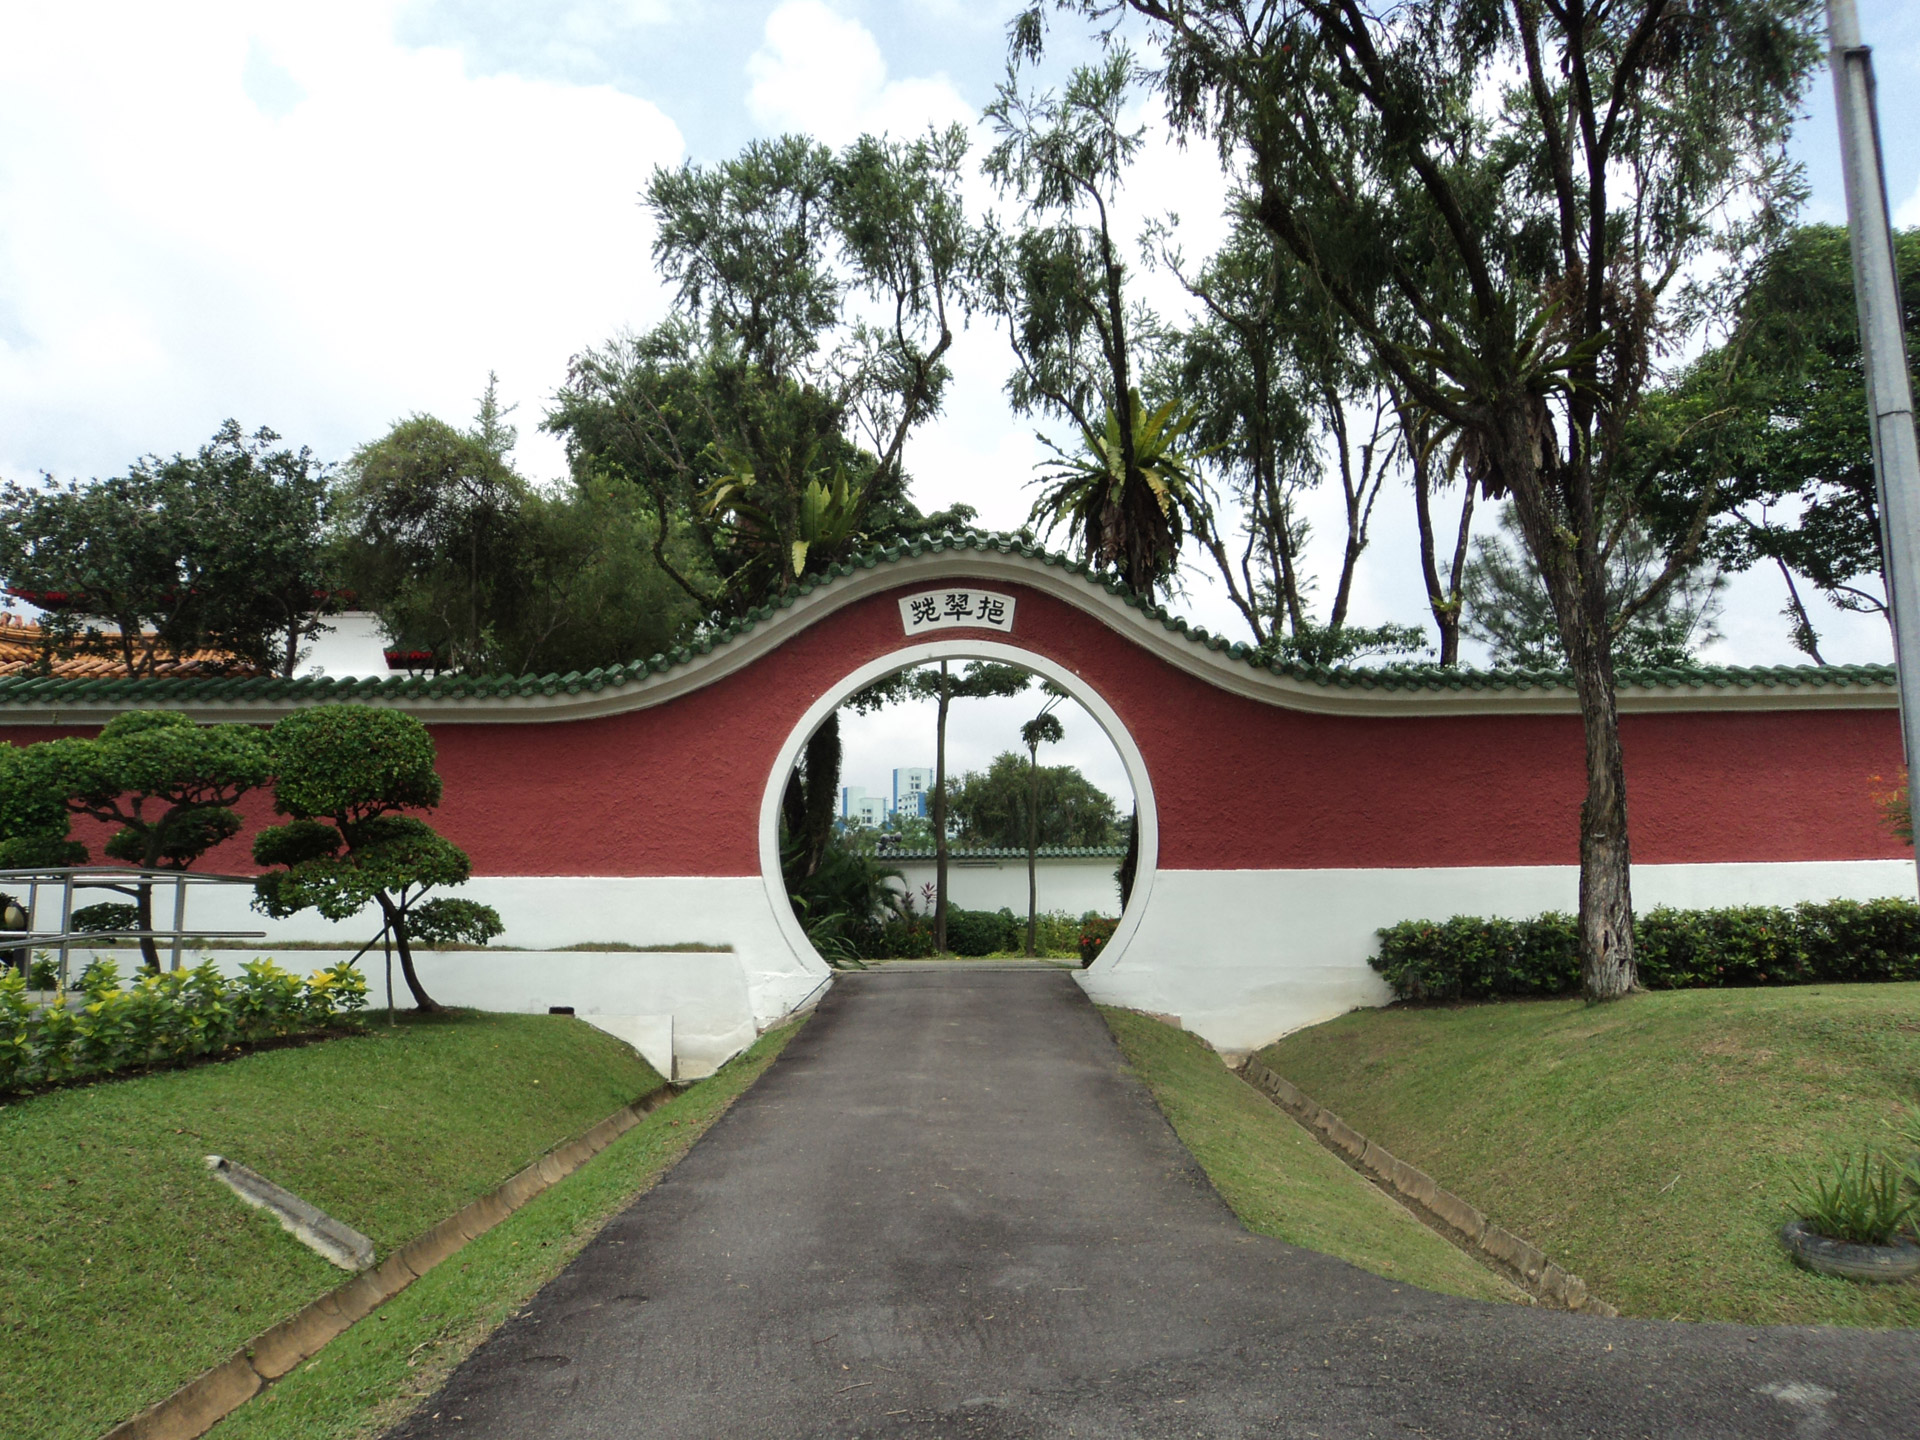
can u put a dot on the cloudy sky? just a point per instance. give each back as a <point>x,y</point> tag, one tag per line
<point>323,218</point>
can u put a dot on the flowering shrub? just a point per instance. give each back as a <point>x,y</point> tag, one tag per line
<point>1470,958</point>
<point>176,1015</point>
<point>1095,931</point>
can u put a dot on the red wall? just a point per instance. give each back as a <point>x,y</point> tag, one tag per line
<point>676,789</point>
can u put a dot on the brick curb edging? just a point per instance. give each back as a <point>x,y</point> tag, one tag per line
<point>200,1404</point>
<point>1524,1264</point>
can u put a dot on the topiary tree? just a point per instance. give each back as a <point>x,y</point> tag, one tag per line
<point>169,784</point>
<point>343,772</point>
<point>33,812</point>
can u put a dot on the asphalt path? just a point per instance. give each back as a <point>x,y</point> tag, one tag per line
<point>947,1210</point>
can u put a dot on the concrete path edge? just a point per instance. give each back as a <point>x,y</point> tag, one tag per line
<point>200,1404</point>
<point>1493,1245</point>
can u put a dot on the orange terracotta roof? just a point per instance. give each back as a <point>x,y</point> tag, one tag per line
<point>20,643</point>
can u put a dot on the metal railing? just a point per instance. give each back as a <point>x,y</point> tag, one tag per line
<point>127,880</point>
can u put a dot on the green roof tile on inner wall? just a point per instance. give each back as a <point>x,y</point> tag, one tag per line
<point>42,691</point>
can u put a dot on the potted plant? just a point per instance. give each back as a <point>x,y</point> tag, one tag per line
<point>1857,1221</point>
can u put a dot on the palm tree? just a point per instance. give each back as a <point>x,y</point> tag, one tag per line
<point>1043,729</point>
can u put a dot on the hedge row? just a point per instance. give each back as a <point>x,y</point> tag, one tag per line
<point>1468,958</point>
<point>969,932</point>
<point>177,1015</point>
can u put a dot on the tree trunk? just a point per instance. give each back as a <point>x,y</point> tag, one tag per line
<point>823,789</point>
<point>397,922</point>
<point>1033,845</point>
<point>940,816</point>
<point>1575,576</point>
<point>149,949</point>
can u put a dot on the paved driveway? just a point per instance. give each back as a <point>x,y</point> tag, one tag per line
<point>946,1211</point>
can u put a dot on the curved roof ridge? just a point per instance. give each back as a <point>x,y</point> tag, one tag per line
<point>39,691</point>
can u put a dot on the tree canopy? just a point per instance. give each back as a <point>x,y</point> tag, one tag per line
<point>1511,204</point>
<point>225,549</point>
<point>992,808</point>
<point>1770,431</point>
<point>344,773</point>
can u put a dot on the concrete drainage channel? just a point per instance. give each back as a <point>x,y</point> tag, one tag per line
<point>201,1403</point>
<point>1500,1249</point>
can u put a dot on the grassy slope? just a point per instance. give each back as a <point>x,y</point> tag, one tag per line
<point>369,1378</point>
<point>1651,1146</point>
<point>125,1269</point>
<point>1281,1181</point>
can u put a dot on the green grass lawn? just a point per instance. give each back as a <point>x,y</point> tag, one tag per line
<point>1651,1146</point>
<point>1281,1181</point>
<point>126,1269</point>
<point>368,1379</point>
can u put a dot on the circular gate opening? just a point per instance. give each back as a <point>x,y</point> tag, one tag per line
<point>816,920</point>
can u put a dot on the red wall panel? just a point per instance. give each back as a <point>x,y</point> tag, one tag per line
<point>676,789</point>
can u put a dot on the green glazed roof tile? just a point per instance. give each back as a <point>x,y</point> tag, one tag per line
<point>45,692</point>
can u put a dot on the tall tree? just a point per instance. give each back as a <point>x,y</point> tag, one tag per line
<point>1534,182</point>
<point>770,417</point>
<point>1508,610</point>
<point>1043,729</point>
<point>983,679</point>
<point>1279,383</point>
<point>432,532</point>
<point>1771,425</point>
<point>1059,285</point>
<point>224,549</point>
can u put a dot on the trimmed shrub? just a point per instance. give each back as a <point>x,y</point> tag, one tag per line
<point>904,939</point>
<point>176,1015</point>
<point>982,932</point>
<point>1469,958</point>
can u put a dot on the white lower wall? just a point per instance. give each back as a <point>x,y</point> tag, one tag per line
<point>717,1001</point>
<point>1242,957</point>
<point>1073,885</point>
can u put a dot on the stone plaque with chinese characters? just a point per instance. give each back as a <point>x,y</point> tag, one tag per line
<point>956,610</point>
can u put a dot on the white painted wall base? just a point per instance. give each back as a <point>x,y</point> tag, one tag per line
<point>1241,956</point>
<point>1070,884</point>
<point>1245,956</point>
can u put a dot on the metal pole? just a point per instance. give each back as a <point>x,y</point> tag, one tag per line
<point>179,915</point>
<point>1883,348</point>
<point>66,924</point>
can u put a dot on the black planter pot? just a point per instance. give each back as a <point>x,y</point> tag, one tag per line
<point>1883,1263</point>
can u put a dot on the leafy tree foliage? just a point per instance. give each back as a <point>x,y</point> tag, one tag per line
<point>1507,608</point>
<point>224,549</point>
<point>1043,729</point>
<point>994,809</point>
<point>1770,430</point>
<point>34,818</point>
<point>344,773</point>
<point>168,784</point>
<point>1284,395</point>
<point>767,421</point>
<point>1503,200</point>
<point>1059,285</point>
<point>463,558</point>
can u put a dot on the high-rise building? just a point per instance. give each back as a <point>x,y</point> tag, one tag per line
<point>912,790</point>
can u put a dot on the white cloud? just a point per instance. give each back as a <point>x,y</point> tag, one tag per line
<point>821,73</point>
<point>1909,212</point>
<point>288,217</point>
